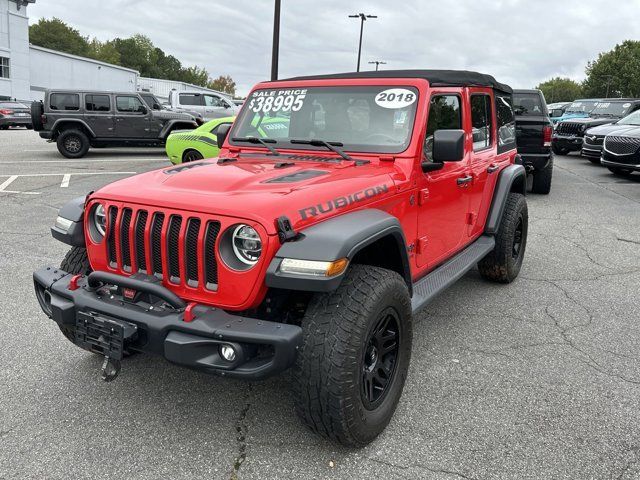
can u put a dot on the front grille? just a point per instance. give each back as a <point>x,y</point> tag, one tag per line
<point>133,245</point>
<point>569,128</point>
<point>593,140</point>
<point>622,145</point>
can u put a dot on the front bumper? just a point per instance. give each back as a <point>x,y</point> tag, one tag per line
<point>591,151</point>
<point>619,163</point>
<point>190,336</point>
<point>571,143</point>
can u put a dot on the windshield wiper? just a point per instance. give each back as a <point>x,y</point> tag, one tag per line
<point>321,143</point>
<point>262,141</point>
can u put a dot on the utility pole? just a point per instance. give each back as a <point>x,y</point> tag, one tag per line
<point>378,63</point>
<point>363,18</point>
<point>276,41</point>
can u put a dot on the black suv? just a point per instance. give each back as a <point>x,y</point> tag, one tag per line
<point>78,120</point>
<point>533,137</point>
<point>569,135</point>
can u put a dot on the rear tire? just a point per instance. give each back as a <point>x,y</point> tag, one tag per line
<point>542,180</point>
<point>353,362</point>
<point>75,262</point>
<point>73,143</point>
<point>503,264</point>
<point>191,156</point>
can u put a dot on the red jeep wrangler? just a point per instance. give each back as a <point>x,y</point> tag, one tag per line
<point>312,248</point>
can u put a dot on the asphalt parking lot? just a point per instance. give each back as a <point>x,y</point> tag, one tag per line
<point>537,379</point>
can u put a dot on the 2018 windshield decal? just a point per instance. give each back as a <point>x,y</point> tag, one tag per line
<point>342,202</point>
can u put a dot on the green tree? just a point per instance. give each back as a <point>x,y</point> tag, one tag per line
<point>57,35</point>
<point>560,90</point>
<point>139,53</point>
<point>615,73</point>
<point>195,75</point>
<point>224,83</point>
<point>104,51</point>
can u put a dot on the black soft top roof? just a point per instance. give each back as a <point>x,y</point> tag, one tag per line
<point>436,78</point>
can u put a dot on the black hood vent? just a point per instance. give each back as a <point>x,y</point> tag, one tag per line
<point>298,176</point>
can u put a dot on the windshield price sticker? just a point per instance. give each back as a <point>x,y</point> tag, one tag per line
<point>277,100</point>
<point>395,98</point>
<point>626,105</point>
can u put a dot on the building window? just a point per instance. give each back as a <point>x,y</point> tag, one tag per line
<point>4,67</point>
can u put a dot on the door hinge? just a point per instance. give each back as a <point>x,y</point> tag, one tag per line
<point>471,218</point>
<point>423,196</point>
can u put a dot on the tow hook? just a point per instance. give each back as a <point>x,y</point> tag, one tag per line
<point>110,369</point>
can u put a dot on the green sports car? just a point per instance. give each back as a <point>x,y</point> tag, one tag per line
<point>191,145</point>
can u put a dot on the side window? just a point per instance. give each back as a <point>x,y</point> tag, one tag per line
<point>215,129</point>
<point>213,101</point>
<point>129,104</point>
<point>506,124</point>
<point>5,71</point>
<point>64,101</point>
<point>97,103</point>
<point>190,99</point>
<point>444,114</point>
<point>481,117</point>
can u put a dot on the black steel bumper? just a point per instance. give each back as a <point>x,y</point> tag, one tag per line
<point>571,143</point>
<point>536,161</point>
<point>161,324</point>
<point>45,134</point>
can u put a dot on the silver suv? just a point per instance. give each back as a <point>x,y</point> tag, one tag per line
<point>79,120</point>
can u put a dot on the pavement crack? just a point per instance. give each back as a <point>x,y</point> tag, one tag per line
<point>241,435</point>
<point>421,466</point>
<point>628,240</point>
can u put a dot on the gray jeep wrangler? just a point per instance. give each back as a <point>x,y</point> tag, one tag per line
<point>79,120</point>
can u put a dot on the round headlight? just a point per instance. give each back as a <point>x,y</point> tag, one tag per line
<point>100,219</point>
<point>247,245</point>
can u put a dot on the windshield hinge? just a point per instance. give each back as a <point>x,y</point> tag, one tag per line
<point>285,230</point>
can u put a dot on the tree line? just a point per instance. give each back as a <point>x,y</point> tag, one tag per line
<point>613,74</point>
<point>137,52</point>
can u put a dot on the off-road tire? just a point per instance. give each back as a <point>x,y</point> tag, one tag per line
<point>74,137</point>
<point>37,109</point>
<point>558,150</point>
<point>331,364</point>
<point>502,264</point>
<point>620,171</point>
<point>75,262</point>
<point>191,156</point>
<point>542,180</point>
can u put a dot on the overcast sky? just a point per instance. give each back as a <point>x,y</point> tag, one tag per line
<point>520,42</point>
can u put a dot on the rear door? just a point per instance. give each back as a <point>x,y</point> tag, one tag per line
<point>193,102</point>
<point>99,115</point>
<point>132,117</point>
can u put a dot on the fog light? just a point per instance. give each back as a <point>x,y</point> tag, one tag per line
<point>228,353</point>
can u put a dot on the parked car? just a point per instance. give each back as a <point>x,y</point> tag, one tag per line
<point>14,114</point>
<point>578,109</point>
<point>154,104</point>
<point>209,105</point>
<point>79,120</point>
<point>621,151</point>
<point>569,135</point>
<point>312,251</point>
<point>192,145</point>
<point>556,110</point>
<point>533,137</point>
<point>594,137</point>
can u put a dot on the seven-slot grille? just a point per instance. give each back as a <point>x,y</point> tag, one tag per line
<point>135,243</point>
<point>568,128</point>
<point>622,145</point>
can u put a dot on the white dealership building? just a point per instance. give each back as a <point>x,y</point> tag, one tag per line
<point>26,71</point>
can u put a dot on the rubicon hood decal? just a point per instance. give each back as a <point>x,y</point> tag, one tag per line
<point>341,202</point>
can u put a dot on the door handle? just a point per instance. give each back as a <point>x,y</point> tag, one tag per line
<point>493,168</point>
<point>464,181</point>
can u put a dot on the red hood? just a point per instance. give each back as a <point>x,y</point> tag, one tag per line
<point>246,188</point>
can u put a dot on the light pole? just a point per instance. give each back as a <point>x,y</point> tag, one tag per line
<point>378,63</point>
<point>276,41</point>
<point>362,18</point>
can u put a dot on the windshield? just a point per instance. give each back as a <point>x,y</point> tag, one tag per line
<point>362,118</point>
<point>527,104</point>
<point>582,106</point>
<point>611,109</point>
<point>633,119</point>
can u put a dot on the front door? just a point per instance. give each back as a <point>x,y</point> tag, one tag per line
<point>99,115</point>
<point>132,117</point>
<point>443,194</point>
<point>215,107</point>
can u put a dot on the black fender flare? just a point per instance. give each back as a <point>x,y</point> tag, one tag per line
<point>166,129</point>
<point>74,212</point>
<point>336,238</point>
<point>511,179</point>
<point>76,121</point>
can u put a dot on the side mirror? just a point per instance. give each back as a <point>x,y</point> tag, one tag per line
<point>222,133</point>
<point>144,110</point>
<point>448,146</point>
<point>556,112</point>
<point>156,106</point>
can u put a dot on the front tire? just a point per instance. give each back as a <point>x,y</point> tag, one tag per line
<point>542,180</point>
<point>352,366</point>
<point>73,143</point>
<point>504,262</point>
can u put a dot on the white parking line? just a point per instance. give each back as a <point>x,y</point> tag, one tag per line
<point>66,178</point>
<point>65,181</point>
<point>7,182</point>
<point>110,160</point>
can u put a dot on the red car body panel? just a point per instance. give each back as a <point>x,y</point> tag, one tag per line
<point>438,217</point>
